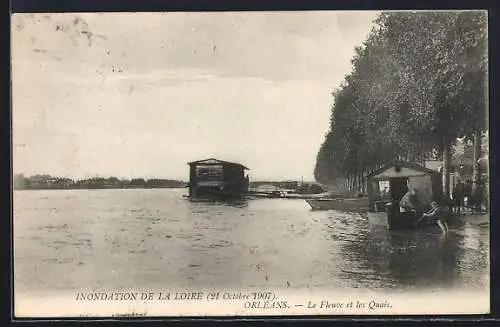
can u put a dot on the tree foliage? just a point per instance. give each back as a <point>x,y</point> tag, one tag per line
<point>418,82</point>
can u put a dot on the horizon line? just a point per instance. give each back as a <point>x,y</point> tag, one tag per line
<point>274,179</point>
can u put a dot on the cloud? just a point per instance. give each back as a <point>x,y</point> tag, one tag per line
<point>270,45</point>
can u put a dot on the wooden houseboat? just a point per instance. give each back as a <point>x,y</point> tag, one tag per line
<point>213,177</point>
<point>401,176</point>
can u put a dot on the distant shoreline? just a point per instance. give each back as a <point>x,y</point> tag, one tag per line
<point>95,188</point>
<point>48,182</point>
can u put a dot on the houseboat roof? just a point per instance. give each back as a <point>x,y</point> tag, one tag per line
<point>397,169</point>
<point>212,161</point>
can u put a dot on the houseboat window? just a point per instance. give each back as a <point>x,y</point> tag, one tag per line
<point>384,190</point>
<point>209,171</point>
<point>383,184</point>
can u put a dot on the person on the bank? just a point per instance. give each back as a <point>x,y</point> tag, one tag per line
<point>409,201</point>
<point>437,214</point>
<point>458,196</point>
<point>468,195</point>
<point>477,196</point>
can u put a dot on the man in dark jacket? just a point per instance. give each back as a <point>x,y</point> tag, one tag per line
<point>458,196</point>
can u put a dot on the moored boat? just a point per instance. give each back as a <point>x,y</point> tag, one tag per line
<point>214,178</point>
<point>285,194</point>
<point>358,204</point>
<point>396,220</point>
<point>401,176</point>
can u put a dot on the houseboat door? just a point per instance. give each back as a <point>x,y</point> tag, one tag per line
<point>398,188</point>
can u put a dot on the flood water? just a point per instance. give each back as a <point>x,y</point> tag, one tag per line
<point>83,239</point>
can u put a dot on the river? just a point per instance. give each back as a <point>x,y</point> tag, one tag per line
<point>154,238</point>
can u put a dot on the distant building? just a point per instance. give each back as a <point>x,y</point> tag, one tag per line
<point>289,185</point>
<point>435,165</point>
<point>216,177</point>
<point>65,182</point>
<point>19,182</point>
<point>39,181</point>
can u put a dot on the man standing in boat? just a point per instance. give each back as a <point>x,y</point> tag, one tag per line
<point>409,202</point>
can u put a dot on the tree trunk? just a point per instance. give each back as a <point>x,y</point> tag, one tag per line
<point>446,168</point>
<point>360,178</point>
<point>365,182</point>
<point>476,155</point>
<point>365,186</point>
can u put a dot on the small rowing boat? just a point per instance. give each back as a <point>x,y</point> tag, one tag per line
<point>344,204</point>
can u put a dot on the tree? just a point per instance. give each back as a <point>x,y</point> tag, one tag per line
<point>444,63</point>
<point>418,83</point>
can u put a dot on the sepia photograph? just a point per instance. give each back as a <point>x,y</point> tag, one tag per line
<point>279,163</point>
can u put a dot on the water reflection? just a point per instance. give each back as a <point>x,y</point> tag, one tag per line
<point>475,243</point>
<point>238,202</point>
<point>382,258</point>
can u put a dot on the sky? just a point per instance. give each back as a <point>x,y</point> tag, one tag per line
<point>141,94</point>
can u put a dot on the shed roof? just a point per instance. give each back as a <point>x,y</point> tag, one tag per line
<point>397,169</point>
<point>213,161</point>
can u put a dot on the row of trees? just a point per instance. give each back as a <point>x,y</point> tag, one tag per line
<point>418,83</point>
<point>50,182</point>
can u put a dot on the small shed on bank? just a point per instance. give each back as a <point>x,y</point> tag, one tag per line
<point>217,177</point>
<point>402,176</point>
